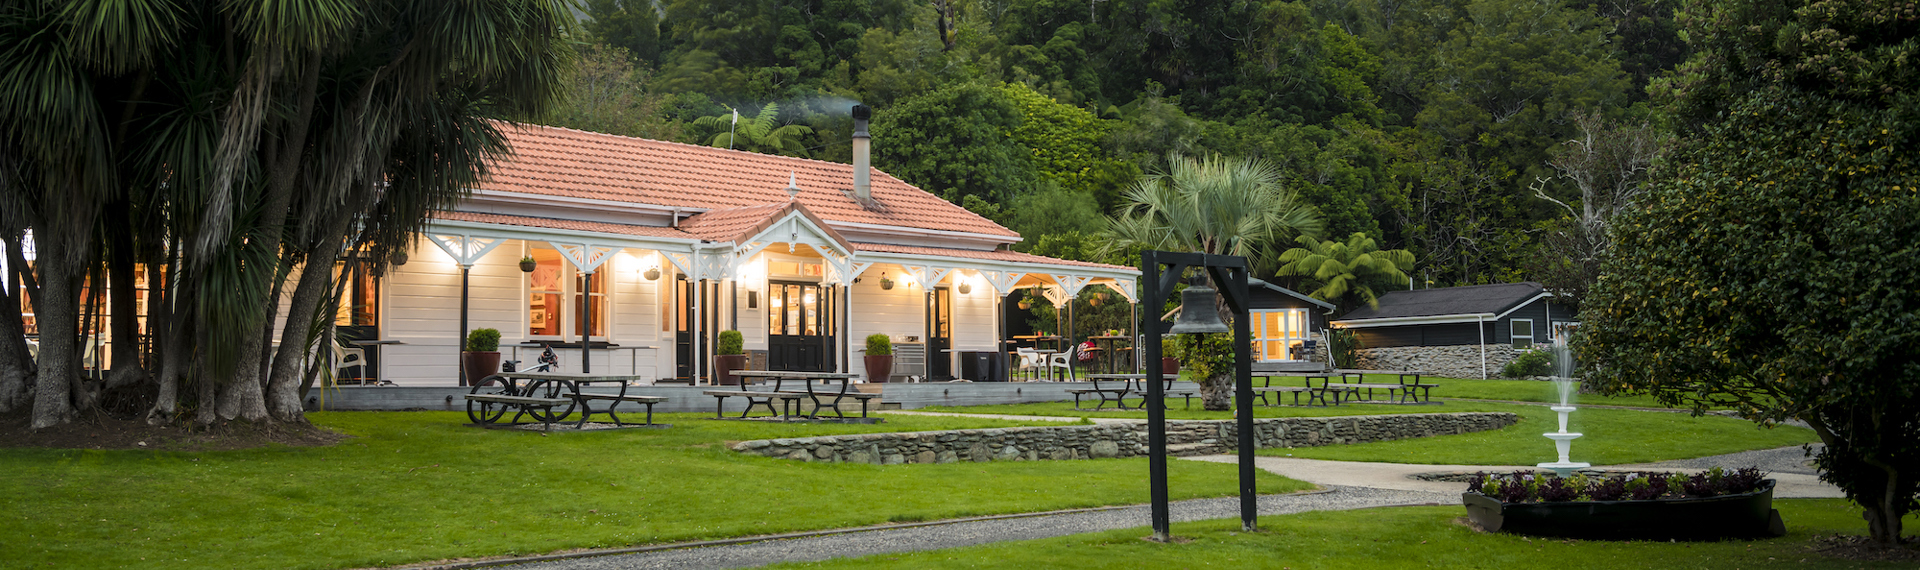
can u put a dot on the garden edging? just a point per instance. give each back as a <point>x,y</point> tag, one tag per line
<point>1186,437</point>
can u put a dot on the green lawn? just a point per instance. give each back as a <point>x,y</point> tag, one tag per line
<point>417,486</point>
<point>1520,391</point>
<point>1611,437</point>
<point>1407,537</point>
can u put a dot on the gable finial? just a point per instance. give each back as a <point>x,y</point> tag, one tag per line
<point>793,186</point>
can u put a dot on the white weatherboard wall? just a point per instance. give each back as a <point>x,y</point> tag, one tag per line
<point>902,312</point>
<point>422,310</point>
<point>899,312</point>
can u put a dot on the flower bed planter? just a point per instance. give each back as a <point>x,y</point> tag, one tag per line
<point>1743,515</point>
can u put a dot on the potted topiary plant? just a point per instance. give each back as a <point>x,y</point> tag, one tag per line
<point>527,264</point>
<point>879,357</point>
<point>729,355</point>
<point>481,357</point>
<point>1169,365</point>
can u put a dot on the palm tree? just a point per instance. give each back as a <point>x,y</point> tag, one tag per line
<point>231,148</point>
<point>1346,271</point>
<point>762,133</point>
<point>1222,206</point>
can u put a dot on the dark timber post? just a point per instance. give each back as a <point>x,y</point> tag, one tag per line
<point>1160,271</point>
<point>465,269</point>
<point>1156,413</point>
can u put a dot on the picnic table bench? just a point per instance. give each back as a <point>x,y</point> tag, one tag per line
<point>1407,382</point>
<point>790,398</point>
<point>536,394</point>
<point>1130,385</point>
<point>1313,393</point>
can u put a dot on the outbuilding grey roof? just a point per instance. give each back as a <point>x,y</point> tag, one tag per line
<point>1290,293</point>
<point>1468,300</point>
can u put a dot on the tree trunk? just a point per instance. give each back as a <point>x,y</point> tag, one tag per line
<point>1216,392</point>
<point>171,347</point>
<point>126,368</point>
<point>16,364</point>
<point>241,397</point>
<point>284,385</point>
<point>59,320</point>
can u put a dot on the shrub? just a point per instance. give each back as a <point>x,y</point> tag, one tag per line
<point>1345,347</point>
<point>483,340</point>
<point>730,343</point>
<point>879,345</point>
<point>1524,486</point>
<point>1530,363</point>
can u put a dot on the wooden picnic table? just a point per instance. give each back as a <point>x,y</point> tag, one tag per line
<point>1130,385</point>
<point>790,398</point>
<point>1313,393</point>
<point>1406,382</point>
<point>536,394</point>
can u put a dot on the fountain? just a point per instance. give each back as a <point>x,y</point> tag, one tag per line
<point>1562,440</point>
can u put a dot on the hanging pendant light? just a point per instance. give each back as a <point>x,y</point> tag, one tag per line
<point>1197,314</point>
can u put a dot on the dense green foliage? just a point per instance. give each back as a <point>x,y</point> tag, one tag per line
<point>483,340</point>
<point>1421,123</point>
<point>729,343</point>
<point>1769,268</point>
<point>1346,273</point>
<point>1528,364</point>
<point>879,345</point>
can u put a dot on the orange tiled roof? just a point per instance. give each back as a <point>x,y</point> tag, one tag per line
<point>557,161</point>
<point>559,224</point>
<point>739,224</point>
<point>994,255</point>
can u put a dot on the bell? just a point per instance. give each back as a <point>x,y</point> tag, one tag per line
<point>1197,314</point>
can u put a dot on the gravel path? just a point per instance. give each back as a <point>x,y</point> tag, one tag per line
<point>1790,460</point>
<point>973,532</point>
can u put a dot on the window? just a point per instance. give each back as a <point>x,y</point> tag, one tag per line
<point>1522,333</point>
<point>360,298</point>
<point>1279,334</point>
<point>556,293</point>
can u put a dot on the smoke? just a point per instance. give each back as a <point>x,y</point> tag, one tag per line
<point>832,105</point>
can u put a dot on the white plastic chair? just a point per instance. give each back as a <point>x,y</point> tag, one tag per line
<point>1062,360</point>
<point>1030,361</point>
<point>344,358</point>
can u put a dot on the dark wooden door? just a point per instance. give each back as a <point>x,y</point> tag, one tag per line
<point>940,335</point>
<point>800,327</point>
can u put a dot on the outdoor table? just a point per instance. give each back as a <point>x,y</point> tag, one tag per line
<point>1404,387</point>
<point>375,344</point>
<point>1053,340</point>
<point>1112,354</point>
<point>541,388</point>
<point>806,389</point>
<point>1136,385</point>
<point>1312,393</point>
<point>1108,392</point>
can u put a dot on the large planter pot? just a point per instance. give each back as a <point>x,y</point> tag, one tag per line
<point>723,367</point>
<point>1746,515</point>
<point>478,365</point>
<point>879,368</point>
<point>1169,365</point>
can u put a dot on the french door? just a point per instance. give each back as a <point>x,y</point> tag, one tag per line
<point>686,360</point>
<point>940,334</point>
<point>800,327</point>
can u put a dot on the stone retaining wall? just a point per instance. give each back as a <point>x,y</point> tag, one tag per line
<point>1203,437</point>
<point>1461,361</point>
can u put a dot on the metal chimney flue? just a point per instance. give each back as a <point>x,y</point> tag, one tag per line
<point>862,159</point>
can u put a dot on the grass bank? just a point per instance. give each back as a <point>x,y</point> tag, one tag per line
<point>1406,537</point>
<point>418,486</point>
<point>1612,436</point>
